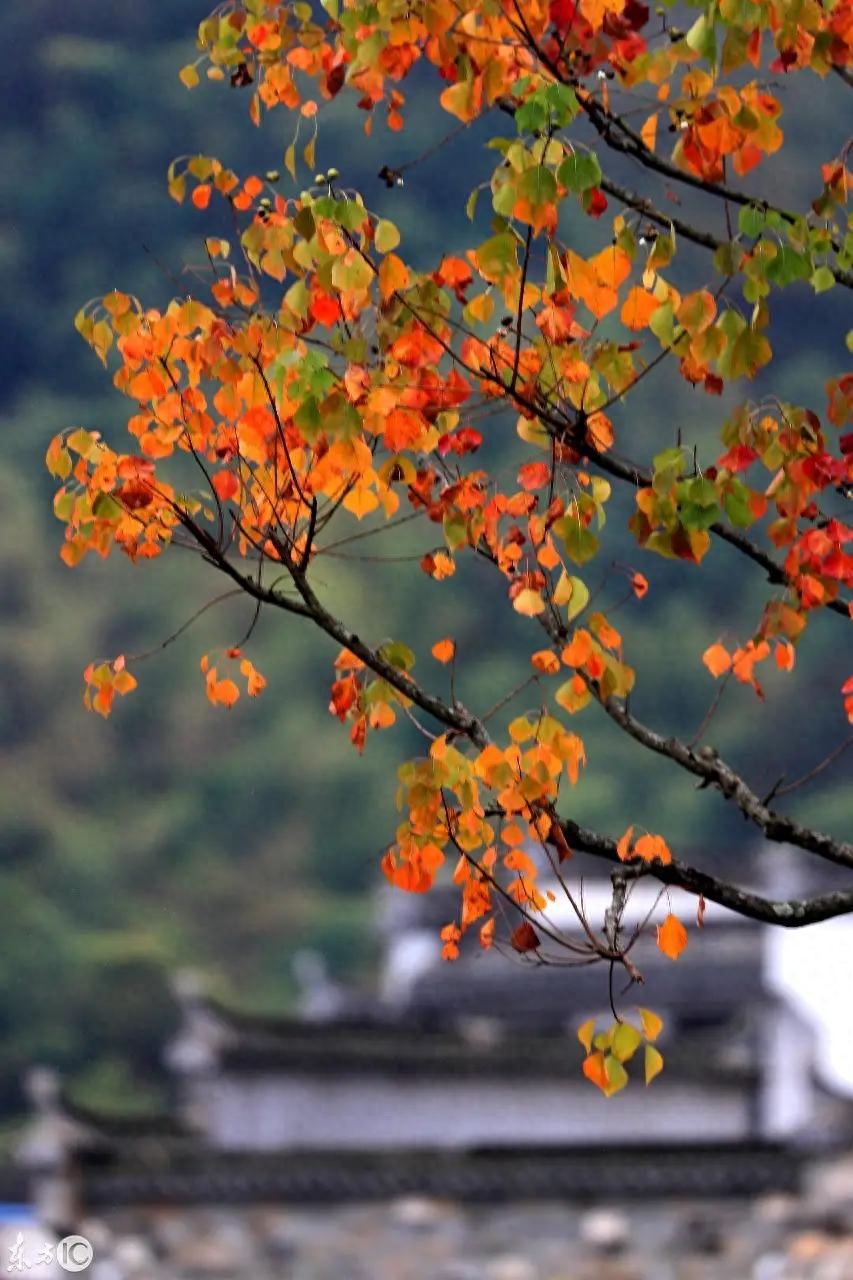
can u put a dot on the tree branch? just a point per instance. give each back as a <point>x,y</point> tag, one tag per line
<point>620,137</point>
<point>644,206</point>
<point>455,717</point>
<point>787,913</point>
<point>706,764</point>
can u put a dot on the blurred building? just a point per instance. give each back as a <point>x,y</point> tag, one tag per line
<point>456,1083</point>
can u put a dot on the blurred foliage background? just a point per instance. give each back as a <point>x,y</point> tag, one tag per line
<point>177,834</point>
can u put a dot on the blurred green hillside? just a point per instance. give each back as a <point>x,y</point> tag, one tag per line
<point>176,834</point>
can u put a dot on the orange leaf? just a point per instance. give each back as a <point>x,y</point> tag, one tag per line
<point>717,659</point>
<point>438,565</point>
<point>578,652</point>
<point>255,682</point>
<point>593,1069</point>
<point>222,691</point>
<point>640,585</point>
<point>444,650</point>
<point>201,196</point>
<point>487,934</point>
<point>651,847</point>
<point>393,275</point>
<point>672,937</point>
<point>623,847</point>
<point>559,841</point>
<point>533,475</point>
<point>638,308</point>
<point>648,132</point>
<point>785,655</point>
<point>545,661</point>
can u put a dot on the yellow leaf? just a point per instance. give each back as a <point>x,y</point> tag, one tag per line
<point>361,500</point>
<point>652,1024</point>
<point>393,275</point>
<point>653,1063</point>
<point>586,1032</point>
<point>529,603</point>
<point>480,308</point>
<point>188,76</point>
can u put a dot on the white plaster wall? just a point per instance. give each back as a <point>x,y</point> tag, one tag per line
<point>267,1113</point>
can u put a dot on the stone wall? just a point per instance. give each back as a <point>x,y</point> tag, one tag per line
<point>809,1237</point>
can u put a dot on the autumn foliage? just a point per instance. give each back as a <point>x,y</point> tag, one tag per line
<point>317,384</point>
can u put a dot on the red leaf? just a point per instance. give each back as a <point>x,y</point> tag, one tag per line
<point>525,937</point>
<point>226,485</point>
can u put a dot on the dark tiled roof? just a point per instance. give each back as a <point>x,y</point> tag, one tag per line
<point>475,1176</point>
<point>710,981</point>
<point>406,1049</point>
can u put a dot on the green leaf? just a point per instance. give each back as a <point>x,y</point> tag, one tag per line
<point>497,257</point>
<point>789,265</point>
<point>386,237</point>
<point>579,598</point>
<point>581,545</point>
<point>308,418</point>
<point>727,259</point>
<point>701,38</point>
<point>822,279</point>
<point>305,224</point>
<point>397,654</point>
<point>736,503</point>
<point>662,324</point>
<point>751,221</point>
<point>533,115</point>
<point>105,507</point>
<point>63,505</point>
<point>455,530</point>
<point>562,102</point>
<point>538,185</point>
<point>617,1076</point>
<point>59,463</point>
<point>580,171</point>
